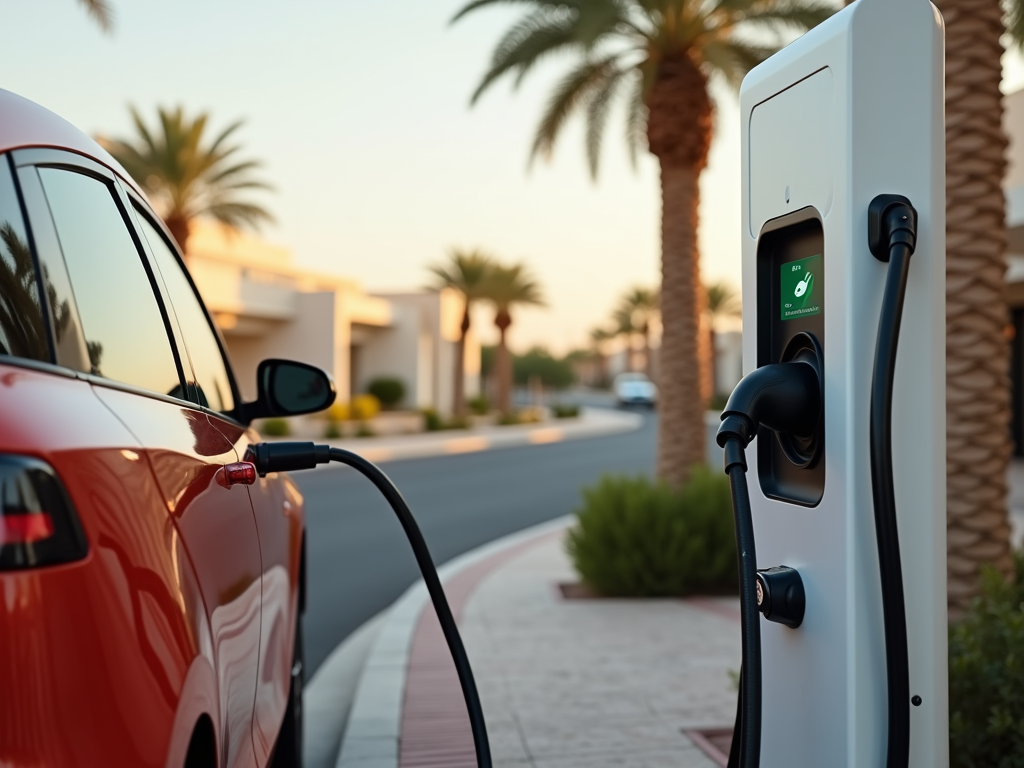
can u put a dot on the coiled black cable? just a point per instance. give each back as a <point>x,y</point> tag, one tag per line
<point>897,662</point>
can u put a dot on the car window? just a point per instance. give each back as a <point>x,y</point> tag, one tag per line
<point>22,323</point>
<point>212,381</point>
<point>124,328</point>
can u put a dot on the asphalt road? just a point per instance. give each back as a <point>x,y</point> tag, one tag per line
<point>359,559</point>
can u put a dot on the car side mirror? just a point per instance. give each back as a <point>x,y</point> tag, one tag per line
<point>288,388</point>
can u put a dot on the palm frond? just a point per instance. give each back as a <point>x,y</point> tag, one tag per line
<point>636,115</point>
<point>525,45</point>
<point>188,175</point>
<point>800,15</point>
<point>597,117</point>
<point>723,300</point>
<point>569,94</point>
<point>506,286</point>
<point>733,58</point>
<point>465,271</point>
<point>101,12</point>
<point>1015,21</point>
<point>476,4</point>
<point>239,169</point>
<point>237,213</point>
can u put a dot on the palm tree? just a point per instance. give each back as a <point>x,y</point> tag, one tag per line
<point>598,337</point>
<point>637,310</point>
<point>722,301</point>
<point>506,287</point>
<point>977,351</point>
<point>101,13</point>
<point>465,272</point>
<point>623,324</point>
<point>186,176</point>
<point>660,55</point>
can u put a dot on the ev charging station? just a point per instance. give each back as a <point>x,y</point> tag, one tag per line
<point>851,111</point>
<point>834,440</point>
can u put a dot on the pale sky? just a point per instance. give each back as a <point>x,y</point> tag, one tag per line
<point>361,114</point>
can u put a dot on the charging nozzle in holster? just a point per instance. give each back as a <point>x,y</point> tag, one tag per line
<point>785,397</point>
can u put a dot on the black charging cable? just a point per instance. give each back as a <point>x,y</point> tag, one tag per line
<point>892,237</point>
<point>784,397</point>
<point>289,457</point>
<point>746,734</point>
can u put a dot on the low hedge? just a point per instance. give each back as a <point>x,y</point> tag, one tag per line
<point>637,537</point>
<point>986,676</point>
<point>388,390</point>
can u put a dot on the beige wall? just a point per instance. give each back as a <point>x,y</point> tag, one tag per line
<point>434,320</point>
<point>266,307</point>
<point>1013,125</point>
<point>310,336</point>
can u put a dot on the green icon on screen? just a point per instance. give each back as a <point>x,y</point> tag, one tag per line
<point>797,295</point>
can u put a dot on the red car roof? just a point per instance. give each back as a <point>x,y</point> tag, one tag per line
<point>24,123</point>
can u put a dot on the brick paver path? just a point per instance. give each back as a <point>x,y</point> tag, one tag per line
<point>570,683</point>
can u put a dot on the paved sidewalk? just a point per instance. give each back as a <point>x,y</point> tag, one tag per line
<point>582,683</point>
<point>590,683</point>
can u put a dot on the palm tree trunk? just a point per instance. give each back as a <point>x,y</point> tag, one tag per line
<point>504,371</point>
<point>707,352</point>
<point>712,357</point>
<point>459,381</point>
<point>683,355</point>
<point>977,350</point>
<point>178,226</point>
<point>648,363</point>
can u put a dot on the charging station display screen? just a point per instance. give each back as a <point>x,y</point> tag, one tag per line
<point>799,296</point>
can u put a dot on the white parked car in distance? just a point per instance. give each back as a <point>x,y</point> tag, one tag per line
<point>635,389</point>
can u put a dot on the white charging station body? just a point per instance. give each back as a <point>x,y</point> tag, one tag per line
<point>851,110</point>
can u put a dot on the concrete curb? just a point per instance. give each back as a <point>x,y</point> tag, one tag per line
<point>327,699</point>
<point>372,734</point>
<point>593,422</point>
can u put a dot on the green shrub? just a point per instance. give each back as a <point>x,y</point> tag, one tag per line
<point>365,430</point>
<point>332,432</point>
<point>635,537</point>
<point>276,428</point>
<point>986,677</point>
<point>388,390</point>
<point>556,373</point>
<point>431,421</point>
<point>480,405</point>
<point>565,411</point>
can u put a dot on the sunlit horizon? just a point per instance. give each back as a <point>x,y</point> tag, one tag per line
<point>361,116</point>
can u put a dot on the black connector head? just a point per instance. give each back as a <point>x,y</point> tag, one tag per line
<point>286,457</point>
<point>780,595</point>
<point>891,220</point>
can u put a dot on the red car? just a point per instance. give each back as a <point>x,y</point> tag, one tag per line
<point>151,585</point>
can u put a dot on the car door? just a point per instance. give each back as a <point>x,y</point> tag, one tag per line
<point>138,372</point>
<point>276,503</point>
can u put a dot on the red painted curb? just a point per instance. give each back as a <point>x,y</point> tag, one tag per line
<point>435,729</point>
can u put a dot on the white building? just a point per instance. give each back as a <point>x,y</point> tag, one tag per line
<point>267,306</point>
<point>1013,185</point>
